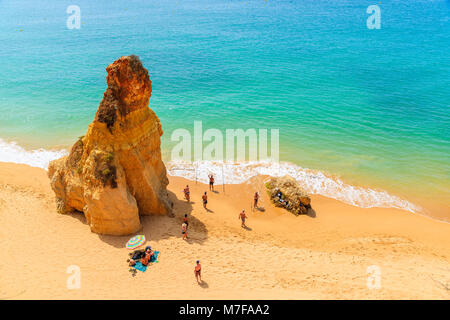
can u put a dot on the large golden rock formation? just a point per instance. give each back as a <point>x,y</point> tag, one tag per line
<point>293,197</point>
<point>115,173</point>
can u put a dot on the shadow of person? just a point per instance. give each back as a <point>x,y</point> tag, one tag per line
<point>247,228</point>
<point>215,191</point>
<point>260,209</point>
<point>158,227</point>
<point>311,213</point>
<point>203,284</point>
<point>209,210</point>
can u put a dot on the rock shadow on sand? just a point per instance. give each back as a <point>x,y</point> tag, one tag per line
<point>157,227</point>
<point>77,215</point>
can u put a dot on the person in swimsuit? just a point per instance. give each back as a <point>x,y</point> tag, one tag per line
<point>198,272</point>
<point>211,182</point>
<point>146,259</point>
<point>185,220</point>
<point>283,202</point>
<point>137,255</point>
<point>187,193</point>
<point>255,200</point>
<point>143,256</point>
<point>184,230</point>
<point>148,250</point>
<point>205,200</point>
<point>242,216</point>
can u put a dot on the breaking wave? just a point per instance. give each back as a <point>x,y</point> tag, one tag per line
<point>12,152</point>
<point>314,182</point>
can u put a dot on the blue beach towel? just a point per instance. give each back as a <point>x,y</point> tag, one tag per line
<point>139,266</point>
<point>155,257</point>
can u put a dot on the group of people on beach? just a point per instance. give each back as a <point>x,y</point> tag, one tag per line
<point>285,203</point>
<point>187,195</point>
<point>184,226</point>
<point>143,256</point>
<point>282,201</point>
<point>243,216</point>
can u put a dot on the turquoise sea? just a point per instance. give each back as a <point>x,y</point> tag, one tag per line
<point>366,107</point>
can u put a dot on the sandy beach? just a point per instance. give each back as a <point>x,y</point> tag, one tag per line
<point>323,255</point>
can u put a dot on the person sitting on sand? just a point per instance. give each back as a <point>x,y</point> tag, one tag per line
<point>198,272</point>
<point>279,195</point>
<point>135,256</point>
<point>211,182</point>
<point>139,255</point>
<point>283,202</point>
<point>146,259</point>
<point>148,250</point>
<point>242,216</point>
<point>205,200</point>
<point>184,230</point>
<point>187,193</point>
<point>255,200</point>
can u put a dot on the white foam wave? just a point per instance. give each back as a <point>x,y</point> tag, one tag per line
<point>314,182</point>
<point>12,152</point>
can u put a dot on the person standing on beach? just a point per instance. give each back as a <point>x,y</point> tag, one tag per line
<point>187,193</point>
<point>255,200</point>
<point>184,230</point>
<point>198,271</point>
<point>242,216</point>
<point>205,200</point>
<point>211,182</point>
<point>185,220</point>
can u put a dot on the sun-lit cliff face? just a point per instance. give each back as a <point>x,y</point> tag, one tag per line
<point>115,173</point>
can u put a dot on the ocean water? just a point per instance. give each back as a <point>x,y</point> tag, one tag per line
<point>363,114</point>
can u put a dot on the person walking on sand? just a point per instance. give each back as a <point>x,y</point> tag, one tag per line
<point>198,271</point>
<point>211,182</point>
<point>242,216</point>
<point>255,200</point>
<point>184,230</point>
<point>205,200</point>
<point>187,193</point>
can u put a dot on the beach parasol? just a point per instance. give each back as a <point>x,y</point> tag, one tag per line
<point>135,242</point>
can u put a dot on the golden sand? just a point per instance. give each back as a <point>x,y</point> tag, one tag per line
<point>324,255</point>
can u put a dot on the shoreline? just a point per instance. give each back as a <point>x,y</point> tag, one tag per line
<point>315,181</point>
<point>324,255</point>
